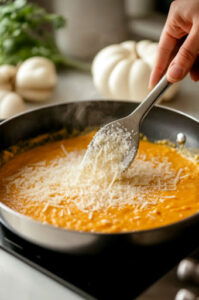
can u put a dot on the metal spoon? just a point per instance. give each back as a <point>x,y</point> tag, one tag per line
<point>130,124</point>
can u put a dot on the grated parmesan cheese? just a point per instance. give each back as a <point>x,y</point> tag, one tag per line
<point>107,151</point>
<point>61,180</point>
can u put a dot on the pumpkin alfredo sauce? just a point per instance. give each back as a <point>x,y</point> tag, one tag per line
<point>47,183</point>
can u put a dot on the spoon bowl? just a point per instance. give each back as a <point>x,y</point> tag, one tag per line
<point>122,136</point>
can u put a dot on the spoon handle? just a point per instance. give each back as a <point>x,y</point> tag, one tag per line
<point>142,110</point>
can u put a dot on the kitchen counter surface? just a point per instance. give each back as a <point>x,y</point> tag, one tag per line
<point>19,281</point>
<point>74,85</point>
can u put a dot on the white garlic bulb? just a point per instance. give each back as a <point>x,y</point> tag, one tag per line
<point>36,79</point>
<point>10,104</point>
<point>7,75</point>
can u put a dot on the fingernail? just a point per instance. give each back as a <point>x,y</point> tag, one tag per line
<point>175,72</point>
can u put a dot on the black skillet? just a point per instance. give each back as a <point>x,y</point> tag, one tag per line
<point>161,123</point>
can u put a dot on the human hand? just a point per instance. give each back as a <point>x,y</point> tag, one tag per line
<point>182,21</point>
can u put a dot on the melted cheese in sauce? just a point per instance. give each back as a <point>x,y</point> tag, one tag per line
<point>161,187</point>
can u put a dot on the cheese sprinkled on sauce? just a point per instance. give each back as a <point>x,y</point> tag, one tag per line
<point>56,181</point>
<point>106,153</point>
<point>46,183</point>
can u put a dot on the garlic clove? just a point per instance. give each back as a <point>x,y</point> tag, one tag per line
<point>10,104</point>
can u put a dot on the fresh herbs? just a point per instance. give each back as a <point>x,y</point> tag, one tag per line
<point>26,31</point>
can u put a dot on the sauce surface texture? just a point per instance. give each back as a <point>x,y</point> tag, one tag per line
<point>160,195</point>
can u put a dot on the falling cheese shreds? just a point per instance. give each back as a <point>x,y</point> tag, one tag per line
<point>61,181</point>
<point>107,153</point>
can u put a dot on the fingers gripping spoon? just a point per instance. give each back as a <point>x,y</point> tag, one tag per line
<point>119,140</point>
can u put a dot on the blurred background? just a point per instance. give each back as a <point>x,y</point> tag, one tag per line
<point>70,33</point>
<point>94,24</point>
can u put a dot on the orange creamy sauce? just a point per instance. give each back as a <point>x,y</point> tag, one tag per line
<point>184,200</point>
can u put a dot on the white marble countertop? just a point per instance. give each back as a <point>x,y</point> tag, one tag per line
<point>19,281</point>
<point>27,283</point>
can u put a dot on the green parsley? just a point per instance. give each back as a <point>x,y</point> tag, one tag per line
<point>26,31</point>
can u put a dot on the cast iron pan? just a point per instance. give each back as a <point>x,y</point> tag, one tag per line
<point>161,123</point>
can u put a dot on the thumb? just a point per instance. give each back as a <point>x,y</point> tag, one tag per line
<point>185,58</point>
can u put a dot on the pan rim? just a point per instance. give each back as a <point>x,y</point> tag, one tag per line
<point>105,234</point>
<point>60,103</point>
